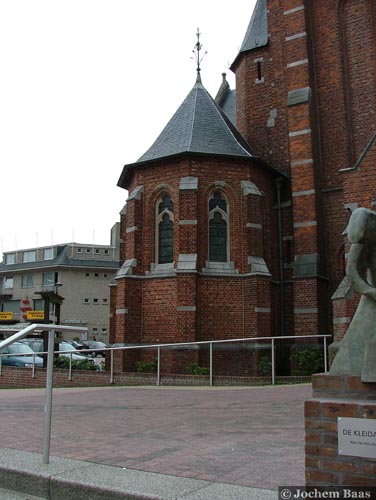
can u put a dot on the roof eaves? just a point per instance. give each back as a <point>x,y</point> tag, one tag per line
<point>71,263</point>
<point>124,179</point>
<point>98,264</point>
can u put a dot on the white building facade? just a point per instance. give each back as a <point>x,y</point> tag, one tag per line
<point>78,275</point>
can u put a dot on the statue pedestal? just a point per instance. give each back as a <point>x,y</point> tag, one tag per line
<point>340,422</point>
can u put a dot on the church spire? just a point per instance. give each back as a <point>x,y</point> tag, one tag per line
<point>198,58</point>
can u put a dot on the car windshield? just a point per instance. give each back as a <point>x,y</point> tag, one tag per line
<point>64,346</point>
<point>37,346</point>
<point>96,344</point>
<point>20,349</point>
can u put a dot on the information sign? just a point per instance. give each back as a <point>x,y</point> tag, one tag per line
<point>6,316</point>
<point>357,437</point>
<point>35,315</point>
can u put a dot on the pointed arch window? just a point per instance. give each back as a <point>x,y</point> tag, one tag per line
<point>218,228</point>
<point>164,230</point>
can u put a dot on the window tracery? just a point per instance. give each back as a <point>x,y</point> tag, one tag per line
<point>218,228</point>
<point>164,230</point>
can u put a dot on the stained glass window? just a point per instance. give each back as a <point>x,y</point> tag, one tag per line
<point>218,228</point>
<point>165,230</point>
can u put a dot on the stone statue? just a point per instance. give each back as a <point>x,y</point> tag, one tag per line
<point>357,352</point>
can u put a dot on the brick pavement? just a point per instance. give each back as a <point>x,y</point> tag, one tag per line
<point>250,436</point>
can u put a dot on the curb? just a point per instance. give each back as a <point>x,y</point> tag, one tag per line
<point>65,479</point>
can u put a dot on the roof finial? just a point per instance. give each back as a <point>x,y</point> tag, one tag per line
<point>197,56</point>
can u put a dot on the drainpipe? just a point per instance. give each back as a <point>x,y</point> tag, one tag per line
<point>280,255</point>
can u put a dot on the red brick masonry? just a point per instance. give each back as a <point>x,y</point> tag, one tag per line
<point>333,397</point>
<point>15,378</point>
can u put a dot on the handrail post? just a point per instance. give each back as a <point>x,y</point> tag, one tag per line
<point>159,366</point>
<point>48,405</point>
<point>273,368</point>
<point>112,367</point>
<point>70,366</point>
<point>211,364</point>
<point>325,357</point>
<point>33,367</point>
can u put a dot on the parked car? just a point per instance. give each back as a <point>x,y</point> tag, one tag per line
<point>76,356</point>
<point>77,345</point>
<point>14,357</point>
<point>37,346</point>
<point>96,344</point>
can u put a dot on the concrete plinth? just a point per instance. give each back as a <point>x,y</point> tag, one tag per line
<point>335,397</point>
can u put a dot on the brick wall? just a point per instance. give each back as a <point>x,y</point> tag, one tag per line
<point>316,51</point>
<point>15,378</point>
<point>333,397</point>
<point>186,306</point>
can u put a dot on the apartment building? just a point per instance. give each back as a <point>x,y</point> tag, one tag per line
<point>34,281</point>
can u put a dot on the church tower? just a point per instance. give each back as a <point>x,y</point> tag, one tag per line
<point>306,86</point>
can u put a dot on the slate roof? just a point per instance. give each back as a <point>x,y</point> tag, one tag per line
<point>199,126</point>
<point>226,99</point>
<point>229,105</point>
<point>257,32</point>
<point>61,260</point>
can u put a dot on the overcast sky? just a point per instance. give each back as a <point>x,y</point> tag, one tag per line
<point>86,87</point>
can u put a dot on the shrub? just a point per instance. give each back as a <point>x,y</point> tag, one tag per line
<point>306,361</point>
<point>195,369</point>
<point>84,364</point>
<point>146,367</point>
<point>265,366</point>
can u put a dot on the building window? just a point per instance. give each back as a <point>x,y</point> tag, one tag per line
<point>104,331</point>
<point>96,301</point>
<point>79,250</point>
<point>104,301</point>
<point>106,252</point>
<point>48,253</point>
<point>88,250</point>
<point>12,306</point>
<point>39,304</point>
<point>96,275</point>
<point>8,282</point>
<point>86,301</point>
<point>49,279</point>
<point>105,275</point>
<point>29,256</point>
<point>165,230</point>
<point>87,275</point>
<point>10,258</point>
<point>27,280</point>
<point>259,70</point>
<point>218,228</point>
<point>97,251</point>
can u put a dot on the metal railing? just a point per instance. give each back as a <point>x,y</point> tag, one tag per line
<point>51,329</point>
<point>211,343</point>
<point>158,347</point>
<point>50,357</point>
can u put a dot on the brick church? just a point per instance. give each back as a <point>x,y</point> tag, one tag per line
<point>234,220</point>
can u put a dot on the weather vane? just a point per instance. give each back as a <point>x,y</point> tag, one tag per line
<point>196,51</point>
